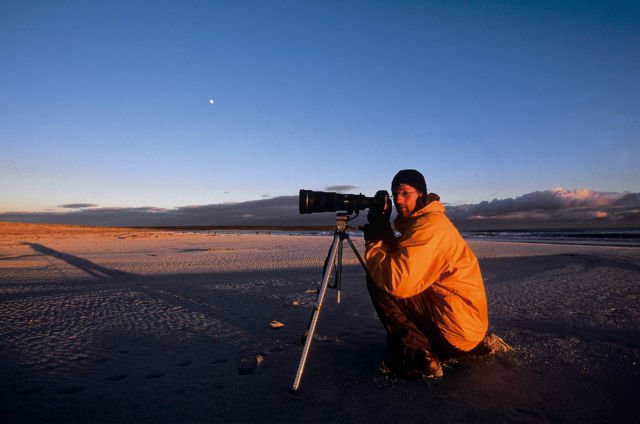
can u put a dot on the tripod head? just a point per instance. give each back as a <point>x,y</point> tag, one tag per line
<point>341,221</point>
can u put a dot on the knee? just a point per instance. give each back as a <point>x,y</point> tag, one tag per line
<point>377,294</point>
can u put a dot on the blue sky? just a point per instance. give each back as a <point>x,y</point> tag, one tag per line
<point>107,103</point>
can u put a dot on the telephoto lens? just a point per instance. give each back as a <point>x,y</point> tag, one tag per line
<point>323,201</point>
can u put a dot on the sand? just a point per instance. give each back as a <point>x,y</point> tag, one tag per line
<point>121,325</point>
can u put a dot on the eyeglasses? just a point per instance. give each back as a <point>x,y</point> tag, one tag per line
<point>404,194</point>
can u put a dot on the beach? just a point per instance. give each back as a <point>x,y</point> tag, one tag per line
<point>128,325</point>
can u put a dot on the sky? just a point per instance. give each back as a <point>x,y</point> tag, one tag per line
<point>105,107</point>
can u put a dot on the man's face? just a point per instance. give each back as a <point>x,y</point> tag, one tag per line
<point>405,198</point>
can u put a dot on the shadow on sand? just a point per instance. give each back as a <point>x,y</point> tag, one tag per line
<point>170,348</point>
<point>85,265</point>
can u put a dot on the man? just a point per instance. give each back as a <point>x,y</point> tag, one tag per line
<point>426,284</point>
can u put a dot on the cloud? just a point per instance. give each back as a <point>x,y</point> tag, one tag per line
<point>341,188</point>
<point>555,208</point>
<point>280,211</point>
<point>78,206</point>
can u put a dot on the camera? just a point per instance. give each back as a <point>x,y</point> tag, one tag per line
<point>323,201</point>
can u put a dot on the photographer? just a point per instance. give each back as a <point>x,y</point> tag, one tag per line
<point>426,284</point>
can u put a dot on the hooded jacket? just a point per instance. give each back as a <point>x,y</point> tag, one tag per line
<point>431,255</point>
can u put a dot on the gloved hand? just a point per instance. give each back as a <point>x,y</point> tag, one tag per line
<point>379,227</point>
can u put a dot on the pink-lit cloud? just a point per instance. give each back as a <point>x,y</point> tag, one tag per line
<point>554,208</point>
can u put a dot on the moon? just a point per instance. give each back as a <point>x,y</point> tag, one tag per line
<point>211,101</point>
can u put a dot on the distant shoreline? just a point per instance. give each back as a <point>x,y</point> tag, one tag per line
<point>586,237</point>
<point>237,228</point>
<point>623,237</point>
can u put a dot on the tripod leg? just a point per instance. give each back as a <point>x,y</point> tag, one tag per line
<point>328,261</point>
<point>338,267</point>
<point>353,247</point>
<point>316,312</point>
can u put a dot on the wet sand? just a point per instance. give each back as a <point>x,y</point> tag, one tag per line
<point>117,325</point>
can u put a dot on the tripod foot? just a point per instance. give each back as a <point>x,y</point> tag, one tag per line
<point>294,392</point>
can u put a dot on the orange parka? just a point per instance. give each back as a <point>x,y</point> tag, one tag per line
<point>431,255</point>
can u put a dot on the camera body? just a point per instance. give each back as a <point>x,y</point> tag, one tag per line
<point>323,201</point>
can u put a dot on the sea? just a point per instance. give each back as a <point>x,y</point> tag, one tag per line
<point>601,237</point>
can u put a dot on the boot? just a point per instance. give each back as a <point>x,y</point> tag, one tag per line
<point>421,365</point>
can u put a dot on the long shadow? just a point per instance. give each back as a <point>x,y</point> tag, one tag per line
<point>156,286</point>
<point>85,265</point>
<point>498,269</point>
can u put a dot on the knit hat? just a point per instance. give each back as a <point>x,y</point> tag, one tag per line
<point>411,177</point>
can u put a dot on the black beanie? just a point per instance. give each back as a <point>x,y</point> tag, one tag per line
<point>411,177</point>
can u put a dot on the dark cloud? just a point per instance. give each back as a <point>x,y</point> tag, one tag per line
<point>274,211</point>
<point>78,206</point>
<point>341,188</point>
<point>557,208</point>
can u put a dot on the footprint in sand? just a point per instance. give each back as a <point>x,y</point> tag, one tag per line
<point>30,390</point>
<point>154,374</point>
<point>526,412</point>
<point>71,390</point>
<point>117,377</point>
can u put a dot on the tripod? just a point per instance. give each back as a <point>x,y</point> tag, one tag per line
<point>334,258</point>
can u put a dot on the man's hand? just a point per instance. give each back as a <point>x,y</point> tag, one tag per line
<point>379,227</point>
